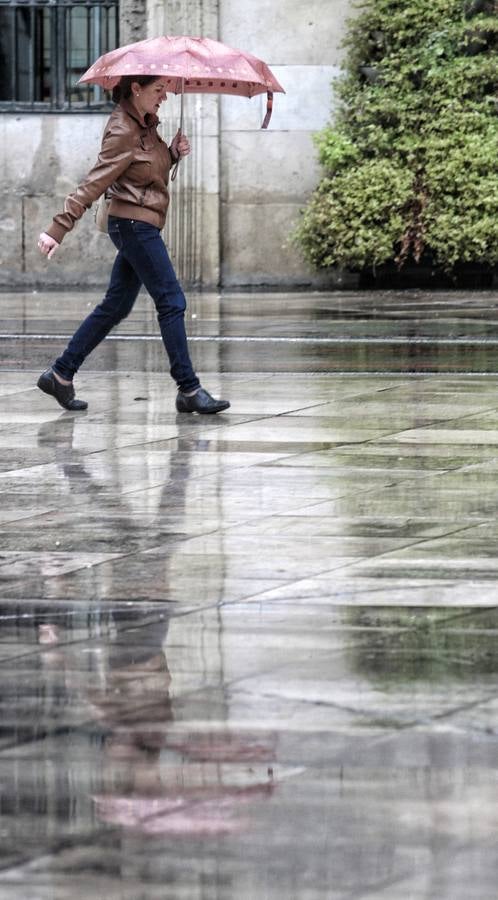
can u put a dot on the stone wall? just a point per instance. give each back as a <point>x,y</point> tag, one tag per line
<point>266,176</point>
<point>236,200</point>
<point>42,158</point>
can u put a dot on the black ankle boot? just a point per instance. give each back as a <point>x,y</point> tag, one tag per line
<point>63,393</point>
<point>201,402</point>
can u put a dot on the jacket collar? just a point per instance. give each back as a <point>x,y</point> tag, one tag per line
<point>145,122</point>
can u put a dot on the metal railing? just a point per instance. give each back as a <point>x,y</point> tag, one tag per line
<point>46,45</point>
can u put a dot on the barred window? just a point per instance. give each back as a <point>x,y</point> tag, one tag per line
<point>45,47</point>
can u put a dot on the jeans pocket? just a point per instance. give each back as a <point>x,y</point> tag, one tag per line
<point>144,228</point>
<point>115,235</point>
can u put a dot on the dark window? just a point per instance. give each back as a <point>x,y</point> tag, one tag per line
<point>45,47</point>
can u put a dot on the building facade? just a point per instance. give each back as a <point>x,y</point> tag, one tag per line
<point>239,194</point>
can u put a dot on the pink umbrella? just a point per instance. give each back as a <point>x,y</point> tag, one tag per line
<point>188,66</point>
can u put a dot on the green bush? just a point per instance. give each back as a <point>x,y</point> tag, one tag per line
<point>411,160</point>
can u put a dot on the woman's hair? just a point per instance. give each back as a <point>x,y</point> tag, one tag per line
<point>122,91</point>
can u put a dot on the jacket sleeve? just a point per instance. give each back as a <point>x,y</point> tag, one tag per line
<point>116,154</point>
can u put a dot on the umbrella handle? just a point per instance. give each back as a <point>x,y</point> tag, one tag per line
<point>174,170</point>
<point>269,107</point>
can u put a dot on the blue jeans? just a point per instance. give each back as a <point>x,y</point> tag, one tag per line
<point>142,259</point>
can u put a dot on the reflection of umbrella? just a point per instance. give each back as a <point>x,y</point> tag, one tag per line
<point>213,810</point>
<point>188,65</point>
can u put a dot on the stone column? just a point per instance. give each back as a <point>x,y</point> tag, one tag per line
<point>132,21</point>
<point>192,230</point>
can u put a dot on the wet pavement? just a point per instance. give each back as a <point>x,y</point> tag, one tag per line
<point>252,657</point>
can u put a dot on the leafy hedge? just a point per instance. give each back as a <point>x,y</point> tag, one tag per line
<point>411,160</point>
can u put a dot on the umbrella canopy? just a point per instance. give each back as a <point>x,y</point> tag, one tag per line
<point>188,65</point>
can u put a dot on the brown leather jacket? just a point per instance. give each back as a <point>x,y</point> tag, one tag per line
<point>133,167</point>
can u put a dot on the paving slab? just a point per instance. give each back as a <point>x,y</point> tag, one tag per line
<point>252,656</point>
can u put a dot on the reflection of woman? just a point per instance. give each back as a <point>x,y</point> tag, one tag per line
<point>134,702</point>
<point>133,168</point>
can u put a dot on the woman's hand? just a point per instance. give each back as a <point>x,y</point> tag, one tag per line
<point>47,245</point>
<point>180,145</point>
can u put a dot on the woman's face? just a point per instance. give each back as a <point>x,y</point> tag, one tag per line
<point>148,98</point>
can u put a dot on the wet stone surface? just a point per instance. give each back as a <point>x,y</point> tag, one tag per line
<point>256,655</point>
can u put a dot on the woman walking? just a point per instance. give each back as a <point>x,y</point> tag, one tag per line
<point>132,169</point>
